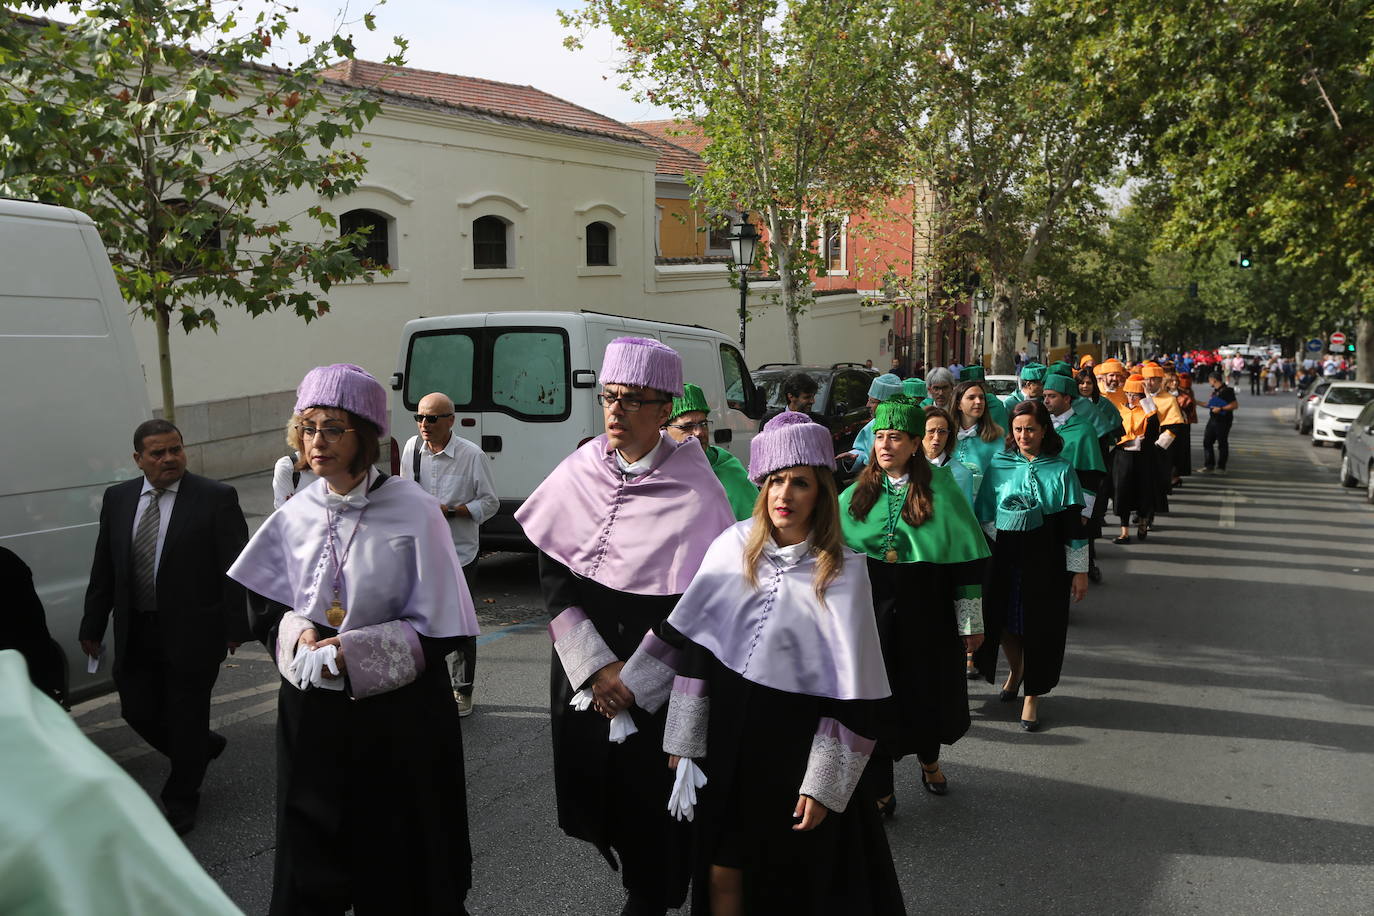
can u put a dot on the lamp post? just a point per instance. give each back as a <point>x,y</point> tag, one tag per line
<point>743,241</point>
<point>980,304</point>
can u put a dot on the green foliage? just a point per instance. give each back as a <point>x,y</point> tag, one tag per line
<point>799,99</point>
<point>165,122</point>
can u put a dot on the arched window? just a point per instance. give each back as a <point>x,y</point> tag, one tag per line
<point>599,252</point>
<point>376,249</point>
<point>490,245</point>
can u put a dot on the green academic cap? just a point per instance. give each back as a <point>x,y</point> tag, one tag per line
<point>900,414</point>
<point>914,388</point>
<point>972,374</point>
<point>693,398</point>
<point>1062,384</point>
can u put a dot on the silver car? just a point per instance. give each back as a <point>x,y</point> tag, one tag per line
<point>1308,399</point>
<point>1357,453</point>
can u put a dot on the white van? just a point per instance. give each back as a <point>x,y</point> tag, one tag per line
<point>74,392</point>
<point>524,385</point>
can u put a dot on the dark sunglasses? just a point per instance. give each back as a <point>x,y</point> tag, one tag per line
<point>431,418</point>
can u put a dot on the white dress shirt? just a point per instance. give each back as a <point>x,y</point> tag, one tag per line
<point>164,508</point>
<point>455,475</point>
<point>643,465</point>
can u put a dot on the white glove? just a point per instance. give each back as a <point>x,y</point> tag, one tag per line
<point>324,657</point>
<point>581,701</point>
<point>682,803</point>
<point>299,669</point>
<point>622,726</point>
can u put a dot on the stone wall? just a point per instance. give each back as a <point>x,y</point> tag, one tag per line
<point>235,436</point>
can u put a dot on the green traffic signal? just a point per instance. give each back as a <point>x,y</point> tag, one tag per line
<point>1245,261</point>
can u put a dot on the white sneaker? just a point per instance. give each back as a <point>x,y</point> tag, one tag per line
<point>464,704</point>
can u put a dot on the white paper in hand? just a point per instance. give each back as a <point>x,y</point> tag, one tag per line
<point>683,801</point>
<point>622,727</point>
<point>581,701</point>
<point>93,661</point>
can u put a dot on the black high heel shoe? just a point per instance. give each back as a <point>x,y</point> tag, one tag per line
<point>934,788</point>
<point>886,809</point>
<point>1006,696</point>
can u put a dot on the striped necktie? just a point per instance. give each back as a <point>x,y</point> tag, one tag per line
<point>145,555</point>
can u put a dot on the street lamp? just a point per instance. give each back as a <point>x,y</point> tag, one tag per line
<point>981,303</point>
<point>743,240</point>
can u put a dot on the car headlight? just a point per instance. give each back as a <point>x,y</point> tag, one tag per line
<point>1326,416</point>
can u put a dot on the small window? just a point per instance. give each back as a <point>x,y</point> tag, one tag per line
<point>733,371</point>
<point>489,243</point>
<point>375,250</point>
<point>529,373</point>
<point>831,249</point>
<point>441,362</point>
<point>718,237</point>
<point>598,236</point>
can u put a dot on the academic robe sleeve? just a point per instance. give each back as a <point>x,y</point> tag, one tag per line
<point>580,646</point>
<point>840,751</point>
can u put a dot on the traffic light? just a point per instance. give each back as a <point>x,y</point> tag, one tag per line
<point>1350,348</point>
<point>1245,261</point>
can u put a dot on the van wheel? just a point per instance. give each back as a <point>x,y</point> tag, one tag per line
<point>1348,479</point>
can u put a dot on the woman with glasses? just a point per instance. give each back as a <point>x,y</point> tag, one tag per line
<point>925,560</point>
<point>1030,503</point>
<point>690,419</point>
<point>771,715</point>
<point>938,445</point>
<point>366,601</point>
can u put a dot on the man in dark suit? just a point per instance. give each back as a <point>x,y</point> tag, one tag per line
<point>166,540</point>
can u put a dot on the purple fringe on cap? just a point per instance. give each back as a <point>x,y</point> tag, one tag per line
<point>787,440</point>
<point>644,363</point>
<point>347,386</point>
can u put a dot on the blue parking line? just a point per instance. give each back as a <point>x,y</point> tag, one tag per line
<point>513,628</point>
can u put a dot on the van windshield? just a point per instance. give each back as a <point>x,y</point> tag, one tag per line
<point>1342,394</point>
<point>518,371</point>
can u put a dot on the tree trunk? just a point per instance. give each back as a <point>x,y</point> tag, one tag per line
<point>1006,299</point>
<point>164,364</point>
<point>1364,348</point>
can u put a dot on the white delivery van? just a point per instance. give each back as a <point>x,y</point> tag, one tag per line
<point>73,393</point>
<point>524,386</point>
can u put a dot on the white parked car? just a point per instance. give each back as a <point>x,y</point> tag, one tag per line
<point>1336,410</point>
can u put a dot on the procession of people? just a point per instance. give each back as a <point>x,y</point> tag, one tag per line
<point>739,654</point>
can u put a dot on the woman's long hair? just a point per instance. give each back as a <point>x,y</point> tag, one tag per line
<point>1053,443</point>
<point>988,429</point>
<point>918,506</point>
<point>827,540</point>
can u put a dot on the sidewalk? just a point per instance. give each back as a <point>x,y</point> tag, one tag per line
<point>255,496</point>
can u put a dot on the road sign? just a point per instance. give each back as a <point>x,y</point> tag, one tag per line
<point>1337,339</point>
<point>1314,345</point>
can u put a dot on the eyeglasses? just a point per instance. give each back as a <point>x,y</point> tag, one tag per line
<point>703,426</point>
<point>627,403</point>
<point>330,434</point>
<point>431,418</point>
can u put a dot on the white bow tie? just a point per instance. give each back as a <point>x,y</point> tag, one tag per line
<point>357,499</point>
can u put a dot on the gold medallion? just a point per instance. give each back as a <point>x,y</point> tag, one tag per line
<point>890,556</point>
<point>335,614</point>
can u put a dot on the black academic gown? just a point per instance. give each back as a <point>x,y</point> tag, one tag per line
<point>1136,475</point>
<point>757,747</point>
<point>923,652</point>
<point>615,796</point>
<point>371,793</point>
<point>1030,567</point>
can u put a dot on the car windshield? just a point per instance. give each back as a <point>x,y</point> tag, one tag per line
<point>1342,394</point>
<point>1001,386</point>
<point>771,385</point>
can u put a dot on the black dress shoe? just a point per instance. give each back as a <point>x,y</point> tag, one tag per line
<point>934,788</point>
<point>182,817</point>
<point>886,809</point>
<point>1094,573</point>
<point>1029,725</point>
<point>1124,539</point>
<point>1006,696</point>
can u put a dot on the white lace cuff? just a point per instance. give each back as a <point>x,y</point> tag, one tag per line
<point>579,646</point>
<point>289,631</point>
<point>1076,558</point>
<point>649,672</point>
<point>838,758</point>
<point>382,657</point>
<point>970,614</point>
<point>689,714</point>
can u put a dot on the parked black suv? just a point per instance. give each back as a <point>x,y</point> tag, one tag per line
<point>841,396</point>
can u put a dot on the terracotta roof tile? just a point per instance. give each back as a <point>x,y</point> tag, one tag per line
<point>685,134</point>
<point>508,99</point>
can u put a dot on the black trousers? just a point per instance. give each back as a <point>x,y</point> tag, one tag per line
<point>168,706</point>
<point>1218,433</point>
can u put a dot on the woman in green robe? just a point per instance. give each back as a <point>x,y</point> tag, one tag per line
<point>691,418</point>
<point>1030,503</point>
<point>977,434</point>
<point>925,561</point>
